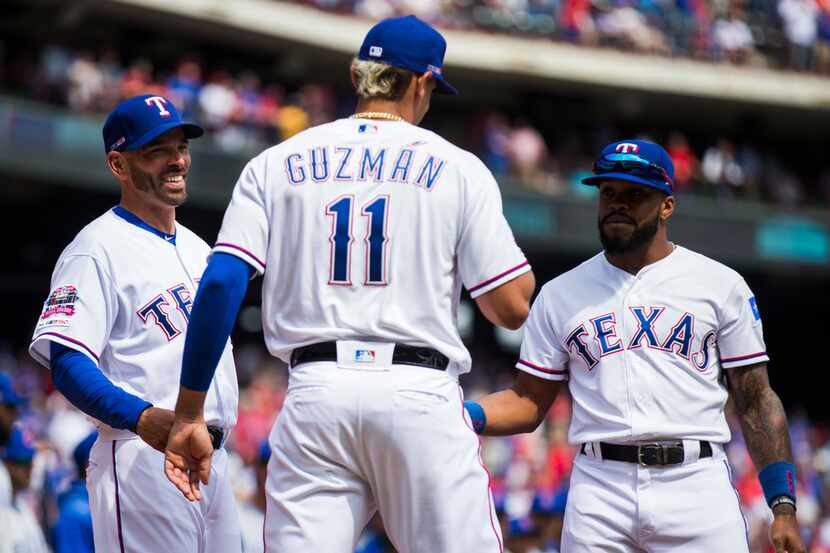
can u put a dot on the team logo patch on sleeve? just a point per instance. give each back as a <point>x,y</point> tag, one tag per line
<point>753,305</point>
<point>60,302</point>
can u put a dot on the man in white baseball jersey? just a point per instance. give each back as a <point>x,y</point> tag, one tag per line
<point>365,229</point>
<point>112,331</point>
<point>651,339</point>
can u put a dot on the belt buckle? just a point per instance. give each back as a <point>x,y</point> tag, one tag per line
<point>651,454</point>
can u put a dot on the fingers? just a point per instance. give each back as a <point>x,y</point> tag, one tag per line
<point>203,470</point>
<point>176,472</point>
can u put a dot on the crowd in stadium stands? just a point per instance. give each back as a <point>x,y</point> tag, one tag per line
<point>530,472</point>
<point>792,34</point>
<point>244,114</point>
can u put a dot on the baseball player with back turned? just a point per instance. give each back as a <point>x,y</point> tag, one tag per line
<point>112,332</point>
<point>365,229</point>
<point>651,339</point>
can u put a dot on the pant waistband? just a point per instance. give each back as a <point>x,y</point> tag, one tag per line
<point>648,455</point>
<point>402,355</point>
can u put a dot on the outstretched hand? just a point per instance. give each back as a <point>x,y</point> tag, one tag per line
<point>187,457</point>
<point>785,535</point>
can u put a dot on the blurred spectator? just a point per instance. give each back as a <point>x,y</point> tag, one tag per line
<point>822,49</point>
<point>259,406</point>
<point>721,169</point>
<point>732,38</point>
<point>138,79</point>
<point>527,152</point>
<point>252,510</point>
<point>10,402</point>
<point>686,164</point>
<point>109,65</point>
<point>577,22</point>
<point>23,533</point>
<point>623,26</point>
<point>73,529</point>
<point>85,83</point>
<point>800,18</point>
<point>184,86</point>
<point>219,101</point>
<point>496,142</point>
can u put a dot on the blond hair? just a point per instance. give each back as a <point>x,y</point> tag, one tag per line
<point>375,80</point>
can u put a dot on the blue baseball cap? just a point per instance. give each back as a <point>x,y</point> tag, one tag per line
<point>19,448</point>
<point>637,161</point>
<point>7,394</point>
<point>139,120</point>
<point>81,452</point>
<point>408,43</point>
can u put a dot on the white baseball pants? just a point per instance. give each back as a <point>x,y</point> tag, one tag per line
<point>620,507</point>
<point>350,442</point>
<point>135,509</point>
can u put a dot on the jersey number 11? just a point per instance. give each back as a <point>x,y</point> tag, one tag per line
<point>341,239</point>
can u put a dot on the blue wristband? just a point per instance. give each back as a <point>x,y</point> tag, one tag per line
<point>477,415</point>
<point>778,479</point>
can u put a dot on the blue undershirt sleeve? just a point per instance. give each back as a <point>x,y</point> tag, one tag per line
<point>78,378</point>
<point>214,312</point>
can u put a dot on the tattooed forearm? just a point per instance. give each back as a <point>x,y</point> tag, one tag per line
<point>762,416</point>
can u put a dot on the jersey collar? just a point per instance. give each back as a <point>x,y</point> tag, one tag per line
<point>133,219</point>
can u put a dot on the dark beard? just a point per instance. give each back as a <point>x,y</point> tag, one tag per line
<point>145,182</point>
<point>641,236</point>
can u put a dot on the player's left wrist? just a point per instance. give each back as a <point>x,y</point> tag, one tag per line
<point>190,405</point>
<point>783,505</point>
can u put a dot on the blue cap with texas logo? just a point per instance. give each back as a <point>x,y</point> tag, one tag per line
<point>141,119</point>
<point>637,161</point>
<point>408,43</point>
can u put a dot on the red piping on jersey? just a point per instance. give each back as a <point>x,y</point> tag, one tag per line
<point>68,339</point>
<point>742,357</point>
<point>117,500</point>
<point>489,476</point>
<point>498,276</point>
<point>243,250</point>
<point>543,369</point>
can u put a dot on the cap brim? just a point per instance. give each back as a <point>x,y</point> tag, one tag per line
<point>596,180</point>
<point>443,87</point>
<point>191,130</point>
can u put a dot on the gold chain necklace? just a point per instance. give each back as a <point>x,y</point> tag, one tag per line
<point>378,115</point>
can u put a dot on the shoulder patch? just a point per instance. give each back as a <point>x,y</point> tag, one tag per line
<point>60,302</point>
<point>753,305</point>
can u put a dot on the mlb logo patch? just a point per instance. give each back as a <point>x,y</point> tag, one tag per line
<point>364,356</point>
<point>753,305</point>
<point>375,51</point>
<point>367,128</point>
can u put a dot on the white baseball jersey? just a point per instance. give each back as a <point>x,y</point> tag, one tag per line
<point>643,353</point>
<point>122,294</point>
<point>368,230</point>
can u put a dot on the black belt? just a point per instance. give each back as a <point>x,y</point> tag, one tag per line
<point>649,454</point>
<point>403,355</point>
<point>217,436</point>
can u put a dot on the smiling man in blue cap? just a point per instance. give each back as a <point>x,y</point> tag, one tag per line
<point>112,333</point>
<point>651,340</point>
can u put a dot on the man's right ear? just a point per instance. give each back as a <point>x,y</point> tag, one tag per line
<point>116,163</point>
